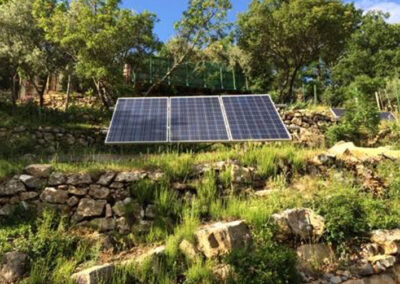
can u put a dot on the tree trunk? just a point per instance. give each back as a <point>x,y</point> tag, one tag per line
<point>289,94</point>
<point>14,91</point>
<point>68,92</point>
<point>101,96</point>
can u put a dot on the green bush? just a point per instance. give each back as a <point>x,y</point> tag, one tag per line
<point>265,263</point>
<point>359,123</point>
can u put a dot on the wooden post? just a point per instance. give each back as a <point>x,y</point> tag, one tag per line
<point>377,101</point>
<point>315,94</point>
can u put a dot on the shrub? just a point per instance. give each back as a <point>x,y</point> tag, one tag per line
<point>360,121</point>
<point>267,262</point>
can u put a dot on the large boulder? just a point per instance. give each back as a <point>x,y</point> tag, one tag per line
<point>13,267</point>
<point>39,170</point>
<point>55,196</point>
<point>221,238</point>
<point>91,208</point>
<point>12,187</point>
<point>301,222</point>
<point>388,240</point>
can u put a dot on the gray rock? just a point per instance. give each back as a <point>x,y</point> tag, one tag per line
<point>119,208</point>
<point>72,201</point>
<point>91,208</point>
<point>39,170</point>
<point>79,179</point>
<point>7,210</point>
<point>28,195</point>
<point>31,182</point>
<point>99,192</point>
<point>301,222</point>
<point>104,224</point>
<point>77,190</point>
<point>57,178</point>
<point>97,274</point>
<point>12,187</point>
<point>109,212</point>
<point>55,196</point>
<point>14,266</point>
<point>106,178</point>
<point>130,176</point>
<point>388,240</point>
<point>221,238</point>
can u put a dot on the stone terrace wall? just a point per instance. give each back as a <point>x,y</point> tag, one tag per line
<point>48,138</point>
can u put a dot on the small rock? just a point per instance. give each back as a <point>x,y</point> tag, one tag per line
<point>79,179</point>
<point>12,187</point>
<point>130,176</point>
<point>119,208</point>
<point>30,181</point>
<point>108,211</point>
<point>52,195</point>
<point>335,280</point>
<point>388,240</point>
<point>77,191</point>
<point>39,170</point>
<point>91,208</point>
<point>14,266</point>
<point>57,178</point>
<point>106,178</point>
<point>98,192</point>
<point>7,210</point>
<point>28,195</point>
<point>72,201</point>
<point>97,274</point>
<point>103,224</point>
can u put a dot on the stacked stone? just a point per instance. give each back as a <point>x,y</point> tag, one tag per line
<point>50,138</point>
<point>99,203</point>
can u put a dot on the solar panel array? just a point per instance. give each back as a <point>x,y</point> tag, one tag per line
<point>339,112</point>
<point>196,119</point>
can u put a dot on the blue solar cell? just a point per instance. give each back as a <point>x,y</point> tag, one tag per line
<point>196,119</point>
<point>254,117</point>
<point>139,120</point>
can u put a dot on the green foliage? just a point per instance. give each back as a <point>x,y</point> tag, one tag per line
<point>266,262</point>
<point>360,121</point>
<point>284,36</point>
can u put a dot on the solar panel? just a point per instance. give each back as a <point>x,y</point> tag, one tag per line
<point>139,120</point>
<point>387,116</point>
<point>197,119</point>
<point>339,112</point>
<point>254,117</point>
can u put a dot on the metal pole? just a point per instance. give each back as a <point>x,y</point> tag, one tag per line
<point>234,78</point>
<point>221,77</point>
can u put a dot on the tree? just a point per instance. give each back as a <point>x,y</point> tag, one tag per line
<point>290,34</point>
<point>100,37</point>
<point>202,23</point>
<point>23,43</point>
<point>372,52</point>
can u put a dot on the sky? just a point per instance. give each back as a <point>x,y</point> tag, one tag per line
<point>169,11</point>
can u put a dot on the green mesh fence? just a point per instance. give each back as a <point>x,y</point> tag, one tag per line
<point>201,75</point>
